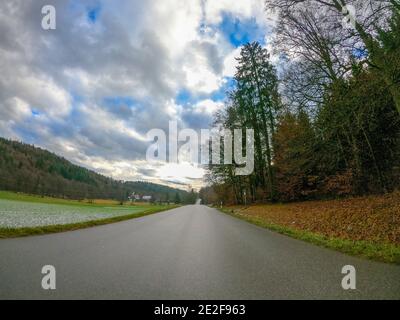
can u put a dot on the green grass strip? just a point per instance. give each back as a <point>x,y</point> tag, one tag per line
<point>8,195</point>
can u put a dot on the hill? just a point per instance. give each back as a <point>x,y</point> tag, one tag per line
<point>29,169</point>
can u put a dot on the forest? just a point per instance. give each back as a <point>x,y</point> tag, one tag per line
<point>327,118</point>
<point>28,169</point>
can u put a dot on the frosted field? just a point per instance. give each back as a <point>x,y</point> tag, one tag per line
<point>19,214</point>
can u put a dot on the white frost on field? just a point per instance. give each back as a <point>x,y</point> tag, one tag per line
<point>18,214</point>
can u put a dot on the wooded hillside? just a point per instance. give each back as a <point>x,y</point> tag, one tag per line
<point>25,168</point>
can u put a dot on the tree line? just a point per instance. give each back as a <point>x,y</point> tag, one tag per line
<point>327,123</point>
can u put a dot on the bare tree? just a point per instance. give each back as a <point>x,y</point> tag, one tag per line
<point>370,17</point>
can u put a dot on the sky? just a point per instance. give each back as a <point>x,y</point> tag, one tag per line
<point>113,70</point>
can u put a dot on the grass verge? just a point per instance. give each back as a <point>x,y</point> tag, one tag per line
<point>383,252</point>
<point>24,232</point>
<point>18,196</point>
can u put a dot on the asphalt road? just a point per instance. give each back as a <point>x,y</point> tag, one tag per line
<point>192,252</point>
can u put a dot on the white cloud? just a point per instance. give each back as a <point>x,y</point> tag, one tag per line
<point>180,172</point>
<point>15,109</point>
<point>230,63</point>
<point>239,8</point>
<point>177,23</point>
<point>201,80</point>
<point>208,106</point>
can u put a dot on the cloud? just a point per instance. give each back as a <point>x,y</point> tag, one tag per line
<point>230,63</point>
<point>242,9</point>
<point>208,106</point>
<point>111,71</point>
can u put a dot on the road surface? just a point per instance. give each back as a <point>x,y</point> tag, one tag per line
<point>192,252</point>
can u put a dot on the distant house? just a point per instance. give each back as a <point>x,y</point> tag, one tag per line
<point>134,197</point>
<point>147,198</point>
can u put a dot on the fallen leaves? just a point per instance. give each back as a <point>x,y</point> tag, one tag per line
<point>372,218</point>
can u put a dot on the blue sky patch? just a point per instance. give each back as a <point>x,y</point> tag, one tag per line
<point>118,101</point>
<point>121,107</point>
<point>221,94</point>
<point>183,97</point>
<point>93,13</point>
<point>360,53</point>
<point>27,134</point>
<point>240,32</point>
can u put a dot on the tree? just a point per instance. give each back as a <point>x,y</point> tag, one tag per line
<point>367,27</point>
<point>313,58</point>
<point>258,103</point>
<point>177,198</point>
<point>294,156</point>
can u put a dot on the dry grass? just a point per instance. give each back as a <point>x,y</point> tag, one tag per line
<point>372,218</point>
